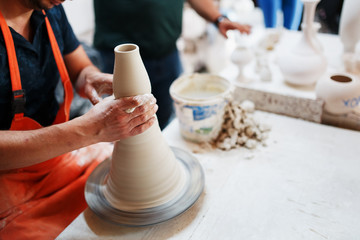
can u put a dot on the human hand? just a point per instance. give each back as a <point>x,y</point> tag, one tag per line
<point>226,25</point>
<point>93,84</point>
<point>114,119</point>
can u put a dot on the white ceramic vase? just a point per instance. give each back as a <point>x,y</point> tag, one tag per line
<point>349,33</point>
<point>349,30</point>
<point>340,92</point>
<point>241,56</point>
<point>144,172</point>
<point>305,63</point>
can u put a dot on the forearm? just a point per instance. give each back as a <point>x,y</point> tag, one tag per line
<point>206,9</point>
<point>107,121</point>
<point>24,148</point>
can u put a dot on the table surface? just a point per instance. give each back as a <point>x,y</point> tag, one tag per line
<point>303,184</point>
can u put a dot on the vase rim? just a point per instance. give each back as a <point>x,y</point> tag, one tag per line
<point>342,78</point>
<point>126,48</point>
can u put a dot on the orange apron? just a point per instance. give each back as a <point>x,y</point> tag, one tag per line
<point>39,201</point>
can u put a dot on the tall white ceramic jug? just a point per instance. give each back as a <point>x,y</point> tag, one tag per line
<point>305,63</point>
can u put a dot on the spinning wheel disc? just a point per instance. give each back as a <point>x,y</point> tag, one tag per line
<point>195,181</point>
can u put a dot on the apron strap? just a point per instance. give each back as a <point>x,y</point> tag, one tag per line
<point>18,101</point>
<point>68,91</point>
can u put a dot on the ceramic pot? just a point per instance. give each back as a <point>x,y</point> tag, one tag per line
<point>305,63</point>
<point>340,92</point>
<point>144,172</point>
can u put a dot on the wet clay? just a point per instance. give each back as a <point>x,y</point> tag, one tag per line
<point>144,172</point>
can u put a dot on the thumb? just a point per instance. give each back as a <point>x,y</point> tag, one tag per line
<point>93,96</point>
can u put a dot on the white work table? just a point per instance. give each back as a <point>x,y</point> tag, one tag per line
<point>304,184</point>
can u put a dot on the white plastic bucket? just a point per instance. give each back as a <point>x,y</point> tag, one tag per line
<point>200,101</point>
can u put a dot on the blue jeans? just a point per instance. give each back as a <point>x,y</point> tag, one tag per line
<point>162,72</point>
<point>292,12</point>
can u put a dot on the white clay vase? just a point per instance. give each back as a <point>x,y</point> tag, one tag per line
<point>349,30</point>
<point>144,172</point>
<point>241,56</point>
<point>340,92</point>
<point>305,63</point>
<point>349,33</point>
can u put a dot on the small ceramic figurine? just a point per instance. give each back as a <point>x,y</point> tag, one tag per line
<point>242,56</point>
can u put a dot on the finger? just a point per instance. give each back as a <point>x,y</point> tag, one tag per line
<point>134,121</point>
<point>142,127</point>
<point>245,28</point>
<point>107,78</point>
<point>92,95</point>
<point>136,101</point>
<point>135,112</point>
<point>223,32</point>
<point>105,89</point>
<point>109,98</point>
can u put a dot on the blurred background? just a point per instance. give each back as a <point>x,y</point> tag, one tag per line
<point>81,16</point>
<point>201,47</point>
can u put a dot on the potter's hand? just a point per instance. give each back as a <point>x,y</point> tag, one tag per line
<point>226,25</point>
<point>111,120</point>
<point>92,84</point>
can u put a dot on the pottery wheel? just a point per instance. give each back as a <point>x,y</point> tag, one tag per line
<point>192,190</point>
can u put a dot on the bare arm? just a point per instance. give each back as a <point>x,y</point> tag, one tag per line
<point>107,121</point>
<point>210,12</point>
<point>206,9</point>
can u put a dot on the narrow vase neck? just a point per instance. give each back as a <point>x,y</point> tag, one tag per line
<point>309,12</point>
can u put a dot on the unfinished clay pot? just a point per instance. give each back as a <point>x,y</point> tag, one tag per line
<point>144,172</point>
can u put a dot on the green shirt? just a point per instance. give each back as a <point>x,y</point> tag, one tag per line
<point>154,25</point>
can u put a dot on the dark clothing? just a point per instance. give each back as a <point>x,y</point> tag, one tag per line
<point>154,25</point>
<point>329,13</point>
<point>161,71</point>
<point>38,70</point>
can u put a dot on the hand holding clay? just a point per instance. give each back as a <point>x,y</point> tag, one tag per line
<point>110,119</point>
